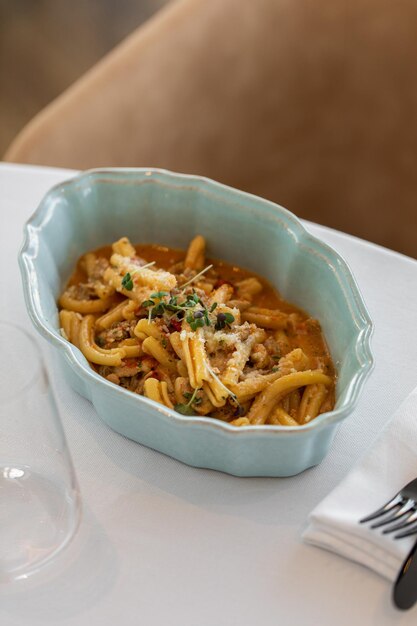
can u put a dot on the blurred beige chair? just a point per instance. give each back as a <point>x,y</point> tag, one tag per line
<point>310,104</point>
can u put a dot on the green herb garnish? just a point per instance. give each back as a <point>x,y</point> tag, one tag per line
<point>172,304</point>
<point>223,320</point>
<point>127,282</point>
<point>188,395</point>
<point>158,310</point>
<point>159,294</point>
<point>186,409</point>
<point>195,318</point>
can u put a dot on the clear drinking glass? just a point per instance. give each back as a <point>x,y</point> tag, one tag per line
<point>39,495</point>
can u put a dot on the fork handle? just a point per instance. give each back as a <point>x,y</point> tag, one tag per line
<point>405,587</point>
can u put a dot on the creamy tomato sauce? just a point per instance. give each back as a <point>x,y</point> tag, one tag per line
<point>307,335</point>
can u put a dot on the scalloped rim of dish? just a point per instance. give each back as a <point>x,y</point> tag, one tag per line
<point>201,183</point>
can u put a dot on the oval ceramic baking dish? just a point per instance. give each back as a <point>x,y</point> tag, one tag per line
<point>156,206</point>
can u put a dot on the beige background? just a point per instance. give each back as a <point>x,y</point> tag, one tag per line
<point>45,45</point>
<point>311,105</point>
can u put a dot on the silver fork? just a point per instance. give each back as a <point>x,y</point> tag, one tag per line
<point>399,515</point>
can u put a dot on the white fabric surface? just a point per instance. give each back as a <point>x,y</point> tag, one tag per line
<point>162,543</point>
<point>389,465</point>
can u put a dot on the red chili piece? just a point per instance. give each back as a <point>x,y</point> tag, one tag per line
<point>175,325</point>
<point>221,282</point>
<point>130,362</point>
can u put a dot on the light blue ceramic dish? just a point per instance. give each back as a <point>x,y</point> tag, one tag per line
<point>157,206</point>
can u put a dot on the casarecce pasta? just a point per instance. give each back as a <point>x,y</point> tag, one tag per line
<point>199,336</point>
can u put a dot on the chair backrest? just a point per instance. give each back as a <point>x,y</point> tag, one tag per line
<point>311,104</point>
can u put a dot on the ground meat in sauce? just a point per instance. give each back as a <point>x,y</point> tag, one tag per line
<point>265,356</point>
<point>260,357</point>
<point>82,291</point>
<point>117,332</point>
<point>99,267</point>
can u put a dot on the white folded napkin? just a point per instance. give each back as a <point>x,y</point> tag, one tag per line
<point>389,465</point>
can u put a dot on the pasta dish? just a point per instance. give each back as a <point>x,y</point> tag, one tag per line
<point>202,337</point>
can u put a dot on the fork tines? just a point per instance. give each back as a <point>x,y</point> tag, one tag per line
<point>400,510</point>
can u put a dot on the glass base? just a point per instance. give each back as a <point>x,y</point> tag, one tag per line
<point>38,518</point>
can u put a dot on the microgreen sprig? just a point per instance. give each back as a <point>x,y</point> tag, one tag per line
<point>192,397</point>
<point>223,320</point>
<point>230,394</point>
<point>155,308</point>
<point>159,294</point>
<point>206,269</point>
<point>127,280</point>
<point>186,409</point>
<point>196,318</point>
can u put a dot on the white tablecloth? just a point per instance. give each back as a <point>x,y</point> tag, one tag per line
<point>162,543</point>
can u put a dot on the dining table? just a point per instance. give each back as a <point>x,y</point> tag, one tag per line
<point>161,543</point>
